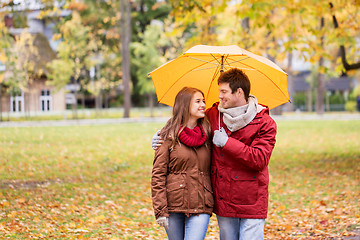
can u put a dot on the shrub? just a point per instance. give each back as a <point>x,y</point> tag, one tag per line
<point>350,106</point>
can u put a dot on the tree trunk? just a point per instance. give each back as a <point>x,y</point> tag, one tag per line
<point>27,101</point>
<point>327,102</point>
<point>125,52</point>
<point>245,24</point>
<point>1,102</point>
<point>278,110</point>
<point>309,100</point>
<point>106,102</point>
<point>101,99</point>
<point>290,81</point>
<point>320,88</point>
<point>151,104</point>
<point>98,102</point>
<point>74,110</point>
<point>83,100</point>
<point>74,107</point>
<point>98,97</point>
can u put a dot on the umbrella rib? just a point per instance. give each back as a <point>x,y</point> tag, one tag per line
<point>216,65</point>
<point>180,78</point>
<point>250,69</point>
<point>218,60</point>
<point>215,58</point>
<point>206,68</point>
<point>259,72</point>
<point>216,73</point>
<point>201,60</point>
<point>212,81</point>
<point>197,69</point>
<point>238,60</point>
<point>271,81</point>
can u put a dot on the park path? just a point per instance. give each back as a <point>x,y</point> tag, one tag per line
<point>45,123</point>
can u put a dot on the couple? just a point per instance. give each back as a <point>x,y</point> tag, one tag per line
<point>187,186</point>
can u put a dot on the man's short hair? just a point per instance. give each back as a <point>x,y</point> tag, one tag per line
<point>236,79</point>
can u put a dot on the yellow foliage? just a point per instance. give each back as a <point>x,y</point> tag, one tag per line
<point>56,36</point>
<point>3,58</point>
<point>106,19</point>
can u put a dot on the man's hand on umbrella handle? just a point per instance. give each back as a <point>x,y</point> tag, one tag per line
<point>156,140</point>
<point>220,137</point>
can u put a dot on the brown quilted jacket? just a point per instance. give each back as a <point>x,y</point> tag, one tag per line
<point>181,180</point>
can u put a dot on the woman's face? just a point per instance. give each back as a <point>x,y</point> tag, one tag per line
<point>197,106</point>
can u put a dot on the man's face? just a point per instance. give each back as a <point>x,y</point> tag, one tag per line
<point>229,99</point>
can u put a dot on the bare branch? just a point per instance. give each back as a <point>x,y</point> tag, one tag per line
<point>346,65</point>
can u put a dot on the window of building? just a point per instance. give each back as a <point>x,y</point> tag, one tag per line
<point>45,101</point>
<point>17,102</point>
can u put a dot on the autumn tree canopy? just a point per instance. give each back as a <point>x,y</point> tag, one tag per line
<point>324,33</point>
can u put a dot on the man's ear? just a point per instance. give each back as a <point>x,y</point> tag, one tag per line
<point>239,92</point>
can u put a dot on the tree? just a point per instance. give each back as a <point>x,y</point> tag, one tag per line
<point>343,38</point>
<point>147,56</point>
<point>75,54</point>
<point>18,53</point>
<point>102,17</point>
<point>13,78</point>
<point>145,13</point>
<point>277,28</point>
<point>197,19</point>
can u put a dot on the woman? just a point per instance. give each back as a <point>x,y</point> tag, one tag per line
<point>180,183</point>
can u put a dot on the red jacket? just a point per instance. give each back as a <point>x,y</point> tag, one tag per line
<point>239,171</point>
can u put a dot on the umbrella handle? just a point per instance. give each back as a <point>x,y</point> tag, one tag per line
<point>222,64</point>
<point>219,120</point>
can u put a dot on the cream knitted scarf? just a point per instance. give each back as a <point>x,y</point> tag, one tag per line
<point>238,117</point>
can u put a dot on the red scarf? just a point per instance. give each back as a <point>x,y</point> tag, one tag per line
<point>193,137</point>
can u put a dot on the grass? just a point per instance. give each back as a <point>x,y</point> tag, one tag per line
<point>92,182</point>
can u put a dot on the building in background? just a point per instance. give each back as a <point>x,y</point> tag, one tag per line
<point>38,95</point>
<point>336,95</point>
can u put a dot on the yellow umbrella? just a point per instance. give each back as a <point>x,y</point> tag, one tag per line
<point>201,65</point>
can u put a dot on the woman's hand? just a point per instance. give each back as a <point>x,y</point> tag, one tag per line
<point>163,221</point>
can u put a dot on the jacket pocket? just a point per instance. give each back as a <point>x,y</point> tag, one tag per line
<point>209,197</point>
<point>244,188</point>
<point>175,193</point>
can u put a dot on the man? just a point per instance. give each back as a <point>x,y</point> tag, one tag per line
<point>243,138</point>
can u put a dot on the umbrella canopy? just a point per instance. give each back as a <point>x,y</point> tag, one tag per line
<point>200,67</point>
